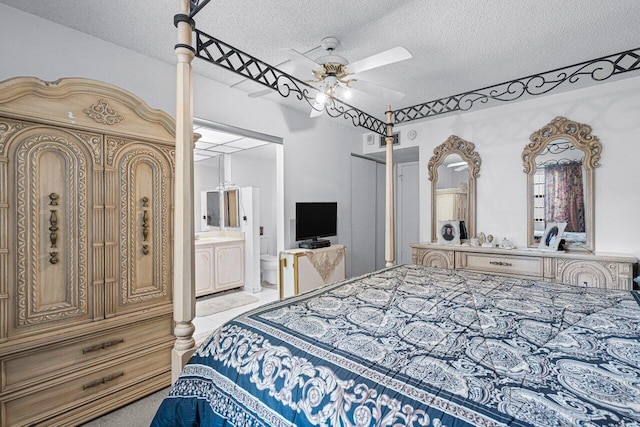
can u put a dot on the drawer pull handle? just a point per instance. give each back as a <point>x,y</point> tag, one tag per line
<point>103,380</point>
<point>53,227</point>
<point>506,264</point>
<point>145,225</point>
<point>102,346</point>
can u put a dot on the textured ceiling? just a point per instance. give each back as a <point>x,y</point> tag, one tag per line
<point>457,45</point>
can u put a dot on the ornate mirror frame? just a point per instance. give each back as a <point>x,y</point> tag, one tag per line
<point>580,136</point>
<point>466,150</point>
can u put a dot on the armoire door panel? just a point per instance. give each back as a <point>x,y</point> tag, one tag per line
<point>144,233</point>
<point>142,180</point>
<point>51,243</point>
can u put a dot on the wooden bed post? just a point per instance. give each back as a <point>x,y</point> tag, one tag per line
<point>183,252</point>
<point>389,252</point>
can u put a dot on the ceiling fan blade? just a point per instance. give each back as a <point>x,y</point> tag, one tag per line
<point>387,94</point>
<point>317,110</point>
<point>300,58</point>
<point>390,56</point>
<point>260,93</point>
<point>288,66</point>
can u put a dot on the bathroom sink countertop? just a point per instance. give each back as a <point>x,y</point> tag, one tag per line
<point>216,237</point>
<point>209,240</point>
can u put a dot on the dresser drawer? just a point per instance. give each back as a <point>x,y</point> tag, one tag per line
<point>49,401</point>
<point>33,366</point>
<point>501,264</point>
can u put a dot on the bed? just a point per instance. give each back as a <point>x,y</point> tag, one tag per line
<point>415,345</point>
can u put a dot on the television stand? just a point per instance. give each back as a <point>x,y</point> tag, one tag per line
<point>315,244</point>
<point>302,270</point>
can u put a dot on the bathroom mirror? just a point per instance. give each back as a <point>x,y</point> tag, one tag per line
<point>453,170</point>
<point>220,209</point>
<point>231,212</point>
<point>559,163</point>
<point>211,212</point>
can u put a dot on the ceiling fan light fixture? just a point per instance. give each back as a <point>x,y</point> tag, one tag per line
<point>321,97</point>
<point>331,81</point>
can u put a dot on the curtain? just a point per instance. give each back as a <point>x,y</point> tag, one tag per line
<point>564,195</point>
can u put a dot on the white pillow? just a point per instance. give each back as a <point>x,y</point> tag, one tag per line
<point>448,232</point>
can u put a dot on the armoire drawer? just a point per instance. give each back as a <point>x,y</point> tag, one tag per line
<point>512,265</point>
<point>40,364</point>
<point>51,400</point>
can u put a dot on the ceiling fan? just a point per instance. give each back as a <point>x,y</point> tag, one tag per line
<point>335,77</point>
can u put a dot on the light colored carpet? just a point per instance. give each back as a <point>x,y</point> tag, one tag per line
<point>224,302</point>
<point>136,414</point>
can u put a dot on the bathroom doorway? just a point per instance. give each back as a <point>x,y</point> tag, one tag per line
<point>227,157</point>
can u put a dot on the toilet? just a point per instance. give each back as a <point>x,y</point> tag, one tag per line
<point>268,263</point>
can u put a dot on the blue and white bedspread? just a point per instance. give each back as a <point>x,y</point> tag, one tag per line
<point>413,345</point>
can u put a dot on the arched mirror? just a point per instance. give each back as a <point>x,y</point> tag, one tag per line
<point>559,163</point>
<point>453,170</point>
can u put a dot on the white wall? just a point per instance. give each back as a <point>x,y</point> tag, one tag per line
<point>257,168</point>
<point>31,46</point>
<point>363,215</point>
<point>500,135</point>
<point>206,177</point>
<point>381,182</point>
<point>316,152</point>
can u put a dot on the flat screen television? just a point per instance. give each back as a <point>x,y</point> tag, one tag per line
<point>316,219</point>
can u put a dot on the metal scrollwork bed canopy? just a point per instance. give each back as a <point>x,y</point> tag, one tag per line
<point>224,55</point>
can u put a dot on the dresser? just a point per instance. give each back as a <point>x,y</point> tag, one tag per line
<point>576,268</point>
<point>302,270</point>
<point>86,195</point>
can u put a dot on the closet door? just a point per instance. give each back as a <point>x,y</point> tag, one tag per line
<point>138,191</point>
<point>50,211</point>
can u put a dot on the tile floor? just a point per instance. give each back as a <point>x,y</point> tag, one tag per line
<point>207,324</point>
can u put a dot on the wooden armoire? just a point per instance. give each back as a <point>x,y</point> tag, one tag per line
<point>86,198</point>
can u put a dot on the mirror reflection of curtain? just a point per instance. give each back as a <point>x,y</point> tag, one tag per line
<point>564,195</point>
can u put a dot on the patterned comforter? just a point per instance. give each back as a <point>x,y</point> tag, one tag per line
<point>412,345</point>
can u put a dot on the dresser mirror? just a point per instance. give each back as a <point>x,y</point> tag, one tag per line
<point>453,170</point>
<point>559,163</point>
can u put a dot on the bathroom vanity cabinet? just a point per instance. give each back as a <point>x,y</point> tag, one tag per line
<point>219,264</point>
